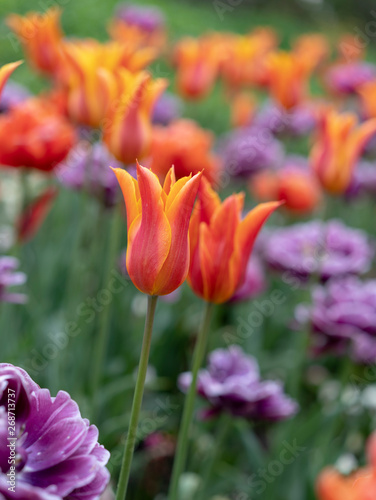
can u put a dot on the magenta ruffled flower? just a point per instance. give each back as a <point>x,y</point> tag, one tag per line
<point>52,451</point>
<point>147,18</point>
<point>343,318</point>
<point>13,94</point>
<point>232,383</point>
<point>297,122</point>
<point>346,78</point>
<point>10,277</point>
<point>166,109</point>
<point>325,249</point>
<point>246,151</point>
<point>87,167</point>
<point>363,181</point>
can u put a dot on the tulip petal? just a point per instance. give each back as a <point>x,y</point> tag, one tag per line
<point>128,185</point>
<point>246,234</point>
<point>175,267</point>
<point>149,237</point>
<point>6,71</point>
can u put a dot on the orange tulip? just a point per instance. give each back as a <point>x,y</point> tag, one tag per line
<point>221,242</point>
<point>186,146</point>
<point>243,109</point>
<point>361,485</point>
<point>136,37</point>
<point>367,94</point>
<point>197,64</point>
<point>337,148</point>
<point>34,135</point>
<point>296,187</point>
<point>288,75</point>
<point>158,220</point>
<point>312,46</point>
<point>127,129</point>
<point>40,36</point>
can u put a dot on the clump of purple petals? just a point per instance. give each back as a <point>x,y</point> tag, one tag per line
<point>88,167</point>
<point>148,18</point>
<point>297,122</point>
<point>13,93</point>
<point>346,78</point>
<point>246,151</point>
<point>324,249</point>
<point>167,108</point>
<point>232,383</point>
<point>363,181</point>
<point>10,277</point>
<point>254,281</point>
<point>343,318</point>
<point>56,453</point>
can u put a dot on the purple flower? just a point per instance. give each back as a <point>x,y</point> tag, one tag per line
<point>296,122</point>
<point>343,317</point>
<point>88,166</point>
<point>9,277</point>
<point>254,281</point>
<point>232,383</point>
<point>345,78</point>
<point>56,454</point>
<point>318,248</point>
<point>147,18</point>
<point>248,150</point>
<point>363,181</point>
<point>13,93</point>
<point>167,108</point>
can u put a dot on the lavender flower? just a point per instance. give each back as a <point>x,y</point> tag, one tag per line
<point>296,122</point>
<point>147,18</point>
<point>318,248</point>
<point>167,108</point>
<point>363,181</point>
<point>9,277</point>
<point>13,93</point>
<point>54,453</point>
<point>254,281</point>
<point>232,383</point>
<point>347,77</point>
<point>248,150</point>
<point>343,317</point>
<point>87,166</point>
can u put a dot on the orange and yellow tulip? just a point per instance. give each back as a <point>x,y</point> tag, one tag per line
<point>34,135</point>
<point>221,242</point>
<point>127,130</point>
<point>288,75</point>
<point>40,36</point>
<point>361,485</point>
<point>186,146</point>
<point>158,221</point>
<point>336,150</point>
<point>296,187</point>
<point>137,38</point>
<point>312,46</point>
<point>197,65</point>
<point>6,71</point>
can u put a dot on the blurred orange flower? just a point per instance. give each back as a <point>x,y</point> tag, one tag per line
<point>34,135</point>
<point>221,242</point>
<point>337,147</point>
<point>187,147</point>
<point>296,187</point>
<point>41,37</point>
<point>135,38</point>
<point>312,46</point>
<point>361,485</point>
<point>367,94</point>
<point>288,76</point>
<point>158,220</point>
<point>243,109</point>
<point>127,129</point>
<point>197,64</point>
<point>6,71</point>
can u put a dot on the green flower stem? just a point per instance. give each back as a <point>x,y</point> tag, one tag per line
<point>137,401</point>
<point>182,446</point>
<point>225,423</point>
<point>104,319</point>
